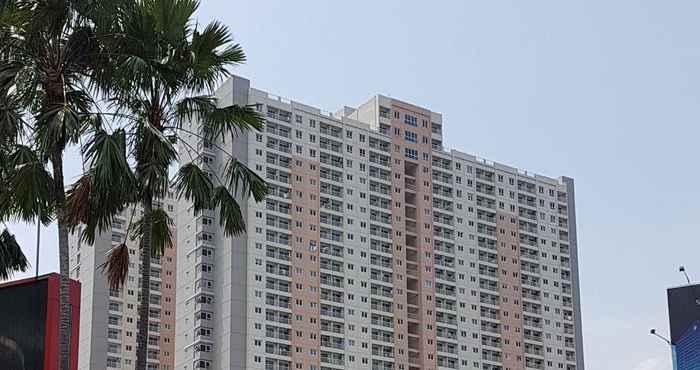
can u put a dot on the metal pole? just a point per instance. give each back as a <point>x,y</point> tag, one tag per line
<point>38,240</point>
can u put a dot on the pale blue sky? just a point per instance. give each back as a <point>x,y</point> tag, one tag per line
<point>607,92</point>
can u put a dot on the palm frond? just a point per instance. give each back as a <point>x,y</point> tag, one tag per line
<point>116,266</point>
<point>107,157</point>
<point>193,108</point>
<point>154,153</point>
<point>12,259</point>
<point>172,18</point>
<point>78,201</point>
<point>192,183</point>
<point>211,52</point>
<point>11,121</point>
<point>21,154</point>
<point>235,120</point>
<point>244,181</point>
<point>220,122</point>
<point>62,123</point>
<point>230,215</point>
<point>32,188</point>
<point>81,49</point>
<point>105,189</point>
<point>161,232</point>
<point>94,205</point>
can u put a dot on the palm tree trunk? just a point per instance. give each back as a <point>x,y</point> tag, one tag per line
<point>144,306</point>
<point>63,251</point>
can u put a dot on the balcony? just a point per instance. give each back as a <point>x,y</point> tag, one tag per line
<point>382,321</point>
<point>382,306</point>
<point>383,351</point>
<point>485,189</point>
<point>335,297</point>
<point>332,311</point>
<point>444,247</point>
<point>327,129</point>
<point>410,184</point>
<point>486,229</point>
<point>484,175</point>
<point>485,203</point>
<point>526,187</point>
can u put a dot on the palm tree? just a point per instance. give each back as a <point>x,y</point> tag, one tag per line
<point>163,77</point>
<point>48,55</point>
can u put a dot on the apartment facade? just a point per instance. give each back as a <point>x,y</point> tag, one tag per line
<point>376,249</point>
<point>108,318</point>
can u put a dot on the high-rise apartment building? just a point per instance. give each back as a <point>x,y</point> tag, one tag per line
<point>376,249</point>
<point>108,317</point>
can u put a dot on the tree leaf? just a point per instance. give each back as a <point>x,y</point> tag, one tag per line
<point>107,158</point>
<point>12,259</point>
<point>194,184</point>
<point>162,231</point>
<point>30,187</point>
<point>95,206</point>
<point>244,181</point>
<point>230,215</point>
<point>116,266</point>
<point>154,154</point>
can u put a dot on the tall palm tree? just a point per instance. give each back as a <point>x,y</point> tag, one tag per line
<point>48,55</point>
<point>164,76</point>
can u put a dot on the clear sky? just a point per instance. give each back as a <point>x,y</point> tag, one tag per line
<point>606,92</point>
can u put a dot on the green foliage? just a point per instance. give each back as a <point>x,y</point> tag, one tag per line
<point>155,68</point>
<point>162,231</point>
<point>106,155</point>
<point>154,154</point>
<point>106,188</point>
<point>94,205</point>
<point>194,184</point>
<point>11,256</point>
<point>244,181</point>
<point>27,187</point>
<point>49,54</point>
<point>230,216</point>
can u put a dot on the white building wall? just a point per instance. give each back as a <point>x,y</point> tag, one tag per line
<point>240,274</point>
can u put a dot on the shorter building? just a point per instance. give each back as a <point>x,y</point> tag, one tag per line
<point>108,325</point>
<point>684,318</point>
<point>30,322</point>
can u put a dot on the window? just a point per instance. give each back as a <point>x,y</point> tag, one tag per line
<point>207,267</point>
<point>411,136</point>
<point>410,120</point>
<point>113,362</point>
<point>384,112</point>
<point>411,153</point>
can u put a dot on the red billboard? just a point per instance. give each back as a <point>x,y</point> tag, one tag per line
<point>30,322</point>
